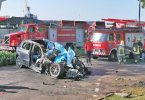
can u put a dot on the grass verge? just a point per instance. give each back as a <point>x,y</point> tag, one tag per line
<point>7,58</point>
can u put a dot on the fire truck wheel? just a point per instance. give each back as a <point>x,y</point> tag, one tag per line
<point>113,56</point>
<point>19,62</point>
<point>57,70</point>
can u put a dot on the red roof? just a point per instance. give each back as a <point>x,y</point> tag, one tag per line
<point>141,24</point>
<point>119,20</point>
<point>2,18</point>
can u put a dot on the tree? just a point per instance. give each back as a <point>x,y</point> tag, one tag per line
<point>143,3</point>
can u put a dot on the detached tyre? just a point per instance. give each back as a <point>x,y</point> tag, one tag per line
<point>57,70</point>
<point>19,62</point>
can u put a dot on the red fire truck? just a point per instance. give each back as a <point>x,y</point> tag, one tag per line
<point>106,40</point>
<point>26,31</point>
<point>65,33</point>
<point>68,32</point>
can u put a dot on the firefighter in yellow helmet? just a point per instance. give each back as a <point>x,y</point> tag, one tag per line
<point>121,52</point>
<point>136,51</point>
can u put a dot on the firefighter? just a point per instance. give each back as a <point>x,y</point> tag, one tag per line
<point>140,47</point>
<point>136,51</point>
<point>88,49</point>
<point>121,53</point>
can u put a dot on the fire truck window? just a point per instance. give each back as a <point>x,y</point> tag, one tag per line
<point>118,37</point>
<point>31,29</point>
<point>111,37</point>
<point>98,37</point>
<point>7,39</point>
<point>41,29</point>
<point>22,28</point>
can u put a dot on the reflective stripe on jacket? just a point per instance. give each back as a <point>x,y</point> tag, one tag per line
<point>136,48</point>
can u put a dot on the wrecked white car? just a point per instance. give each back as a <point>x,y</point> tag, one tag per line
<point>52,58</point>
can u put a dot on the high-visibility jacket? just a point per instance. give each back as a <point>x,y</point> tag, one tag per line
<point>136,48</point>
<point>120,49</point>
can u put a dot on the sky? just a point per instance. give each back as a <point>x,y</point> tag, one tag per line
<point>81,10</point>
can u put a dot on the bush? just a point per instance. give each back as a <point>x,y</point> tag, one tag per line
<point>7,58</point>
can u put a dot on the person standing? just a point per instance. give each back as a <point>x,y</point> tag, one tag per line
<point>121,53</point>
<point>136,51</point>
<point>88,49</point>
<point>140,47</point>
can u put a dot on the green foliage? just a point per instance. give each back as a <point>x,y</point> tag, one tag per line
<point>114,97</point>
<point>138,93</point>
<point>7,58</point>
<point>143,3</point>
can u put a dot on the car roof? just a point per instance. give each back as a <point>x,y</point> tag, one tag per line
<point>38,41</point>
<point>30,41</point>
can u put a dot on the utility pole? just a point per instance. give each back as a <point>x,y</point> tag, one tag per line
<point>1,3</point>
<point>139,13</point>
<point>28,13</point>
<point>27,7</point>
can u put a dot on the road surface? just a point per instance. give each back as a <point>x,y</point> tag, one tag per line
<point>26,84</point>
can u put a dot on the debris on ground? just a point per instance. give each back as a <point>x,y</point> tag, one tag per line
<point>94,96</point>
<point>139,84</point>
<point>124,95</point>
<point>96,90</point>
<point>44,83</point>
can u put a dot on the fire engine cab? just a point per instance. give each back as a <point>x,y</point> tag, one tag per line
<point>26,31</point>
<point>106,40</point>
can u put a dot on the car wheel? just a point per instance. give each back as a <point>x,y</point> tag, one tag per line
<point>57,70</point>
<point>19,62</point>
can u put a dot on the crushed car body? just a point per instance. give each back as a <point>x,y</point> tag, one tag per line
<point>52,58</point>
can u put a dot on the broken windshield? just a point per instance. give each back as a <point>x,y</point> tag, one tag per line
<point>99,37</point>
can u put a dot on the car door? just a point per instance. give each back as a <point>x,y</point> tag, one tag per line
<point>23,51</point>
<point>37,57</point>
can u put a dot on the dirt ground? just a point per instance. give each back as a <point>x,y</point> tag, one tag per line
<point>106,77</point>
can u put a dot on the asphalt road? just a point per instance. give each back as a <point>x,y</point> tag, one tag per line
<point>26,84</point>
